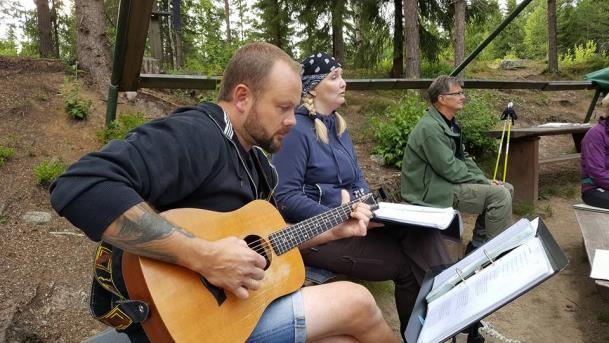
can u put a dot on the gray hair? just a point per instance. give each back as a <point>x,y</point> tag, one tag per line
<point>441,85</point>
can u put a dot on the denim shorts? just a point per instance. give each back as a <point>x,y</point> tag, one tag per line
<point>282,321</point>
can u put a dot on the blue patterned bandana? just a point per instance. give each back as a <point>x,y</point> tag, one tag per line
<point>315,68</point>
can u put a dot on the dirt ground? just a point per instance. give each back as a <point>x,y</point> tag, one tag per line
<point>45,269</point>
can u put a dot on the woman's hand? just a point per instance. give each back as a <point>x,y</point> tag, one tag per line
<point>358,224</point>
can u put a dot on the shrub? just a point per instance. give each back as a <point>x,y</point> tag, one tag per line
<point>47,171</point>
<point>391,129</point>
<point>119,127</point>
<point>475,119</point>
<point>432,69</point>
<point>5,154</point>
<point>583,58</point>
<point>75,106</point>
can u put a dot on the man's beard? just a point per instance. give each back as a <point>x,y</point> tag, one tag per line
<point>254,128</point>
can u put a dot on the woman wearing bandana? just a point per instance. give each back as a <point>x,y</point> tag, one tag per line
<point>318,170</point>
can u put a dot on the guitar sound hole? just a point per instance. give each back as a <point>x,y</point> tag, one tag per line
<point>261,246</point>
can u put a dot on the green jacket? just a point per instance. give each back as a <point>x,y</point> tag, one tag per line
<point>430,169</point>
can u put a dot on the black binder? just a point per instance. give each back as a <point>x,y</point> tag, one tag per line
<point>453,231</point>
<point>558,261</point>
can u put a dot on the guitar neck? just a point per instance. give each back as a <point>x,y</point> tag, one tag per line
<point>294,235</point>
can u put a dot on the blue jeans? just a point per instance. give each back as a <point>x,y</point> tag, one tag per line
<point>282,321</point>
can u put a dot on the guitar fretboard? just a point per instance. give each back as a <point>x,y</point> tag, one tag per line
<point>294,235</point>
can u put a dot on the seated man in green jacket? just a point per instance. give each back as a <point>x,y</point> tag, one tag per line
<point>438,172</point>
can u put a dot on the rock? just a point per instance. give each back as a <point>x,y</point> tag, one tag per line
<point>511,64</point>
<point>7,314</point>
<point>378,159</point>
<point>131,95</point>
<point>37,217</point>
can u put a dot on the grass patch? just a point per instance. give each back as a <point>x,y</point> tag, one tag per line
<point>6,154</point>
<point>566,191</point>
<point>3,220</point>
<point>120,127</point>
<point>523,209</point>
<point>528,210</point>
<point>47,171</point>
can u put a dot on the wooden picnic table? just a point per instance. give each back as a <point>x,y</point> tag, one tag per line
<point>523,160</point>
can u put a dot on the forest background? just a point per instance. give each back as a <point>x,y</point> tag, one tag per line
<point>372,38</point>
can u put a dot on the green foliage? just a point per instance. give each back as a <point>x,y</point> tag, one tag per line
<point>370,41</point>
<point>391,129</point>
<point>74,105</point>
<point>475,119</point>
<point>433,69</point>
<point>536,32</point>
<point>48,170</point>
<point>581,21</point>
<point>511,39</point>
<point>6,154</point>
<point>275,24</point>
<point>529,210</point>
<point>583,58</point>
<point>8,47</point>
<point>205,50</point>
<point>121,126</point>
<point>523,209</point>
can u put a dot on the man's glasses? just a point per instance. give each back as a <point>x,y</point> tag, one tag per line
<point>459,93</point>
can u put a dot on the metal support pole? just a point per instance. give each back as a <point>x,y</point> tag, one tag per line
<point>490,37</point>
<point>592,105</point>
<point>119,58</point>
<point>111,106</point>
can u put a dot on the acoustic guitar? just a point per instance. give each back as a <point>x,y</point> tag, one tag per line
<point>184,307</point>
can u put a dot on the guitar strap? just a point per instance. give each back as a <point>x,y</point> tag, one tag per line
<point>270,181</point>
<point>108,304</point>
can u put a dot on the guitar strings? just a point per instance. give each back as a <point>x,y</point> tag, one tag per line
<point>314,220</point>
<point>259,245</point>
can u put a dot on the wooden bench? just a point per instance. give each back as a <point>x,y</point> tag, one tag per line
<point>524,162</point>
<point>594,224</point>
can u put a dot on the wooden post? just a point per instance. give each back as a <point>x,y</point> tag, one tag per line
<point>523,169</point>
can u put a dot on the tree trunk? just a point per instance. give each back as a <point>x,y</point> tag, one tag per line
<point>552,50</point>
<point>459,33</point>
<point>276,25</point>
<point>397,69</point>
<point>55,25</point>
<point>92,44</point>
<point>338,39</point>
<point>227,18</point>
<point>411,39</point>
<point>45,38</point>
<point>154,34</point>
<point>176,16</point>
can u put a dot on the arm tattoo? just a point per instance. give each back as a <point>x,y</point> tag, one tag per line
<point>142,233</point>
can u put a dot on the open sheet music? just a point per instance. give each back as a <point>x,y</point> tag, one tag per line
<point>506,267</point>
<point>519,270</point>
<point>439,218</point>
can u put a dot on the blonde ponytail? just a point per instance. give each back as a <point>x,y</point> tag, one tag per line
<point>321,131</point>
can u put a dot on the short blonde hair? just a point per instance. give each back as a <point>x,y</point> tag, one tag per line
<point>251,65</point>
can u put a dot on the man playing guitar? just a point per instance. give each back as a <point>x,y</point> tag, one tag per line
<point>207,157</point>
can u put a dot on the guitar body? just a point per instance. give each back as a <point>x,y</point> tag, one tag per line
<point>182,308</point>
